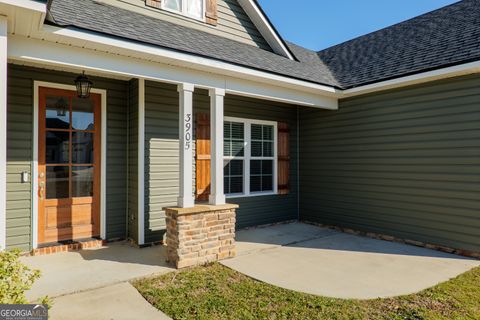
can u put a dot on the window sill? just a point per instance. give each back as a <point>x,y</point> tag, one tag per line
<point>251,195</point>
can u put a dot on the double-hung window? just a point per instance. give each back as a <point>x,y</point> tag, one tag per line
<point>191,8</point>
<point>250,157</point>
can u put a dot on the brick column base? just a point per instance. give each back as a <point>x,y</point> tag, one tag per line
<point>200,235</point>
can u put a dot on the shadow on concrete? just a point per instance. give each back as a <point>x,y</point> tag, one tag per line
<point>301,235</point>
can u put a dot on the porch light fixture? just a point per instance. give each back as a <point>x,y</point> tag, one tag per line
<point>83,85</point>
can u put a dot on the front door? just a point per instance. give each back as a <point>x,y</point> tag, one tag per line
<point>68,166</point>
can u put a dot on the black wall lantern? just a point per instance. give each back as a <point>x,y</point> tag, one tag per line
<point>83,86</point>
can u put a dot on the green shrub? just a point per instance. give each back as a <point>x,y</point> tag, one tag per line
<point>15,278</point>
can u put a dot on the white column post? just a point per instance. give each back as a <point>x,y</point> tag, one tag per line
<point>185,199</point>
<point>141,162</point>
<point>3,132</point>
<point>217,195</point>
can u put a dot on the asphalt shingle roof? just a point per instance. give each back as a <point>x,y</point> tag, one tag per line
<point>445,37</point>
<point>114,21</point>
<point>441,38</point>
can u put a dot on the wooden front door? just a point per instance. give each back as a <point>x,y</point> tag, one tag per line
<point>68,166</point>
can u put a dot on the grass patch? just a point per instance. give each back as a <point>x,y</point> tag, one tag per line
<point>216,292</point>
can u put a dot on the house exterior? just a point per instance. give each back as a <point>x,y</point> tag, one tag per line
<point>202,101</point>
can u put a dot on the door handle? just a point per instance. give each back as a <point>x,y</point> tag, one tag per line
<point>42,190</point>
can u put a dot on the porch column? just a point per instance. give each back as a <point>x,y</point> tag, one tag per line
<point>141,162</point>
<point>3,131</point>
<point>217,196</point>
<point>185,200</point>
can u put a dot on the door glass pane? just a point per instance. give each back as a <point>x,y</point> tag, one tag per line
<point>57,113</point>
<point>82,114</point>
<point>82,181</point>
<point>57,186</point>
<point>82,148</point>
<point>57,145</point>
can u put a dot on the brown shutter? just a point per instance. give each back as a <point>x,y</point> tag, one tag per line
<point>154,3</point>
<point>202,131</point>
<point>211,13</point>
<point>283,158</point>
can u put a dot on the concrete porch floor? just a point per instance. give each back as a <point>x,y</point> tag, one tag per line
<point>328,263</point>
<point>74,272</point>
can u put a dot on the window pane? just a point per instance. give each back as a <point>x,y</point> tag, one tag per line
<point>237,130</point>
<point>195,8</point>
<point>227,148</point>
<point>261,175</point>
<point>255,183</point>
<point>82,148</point>
<point>256,132</point>
<point>267,132</point>
<point>267,167</point>
<point>57,113</point>
<point>236,168</point>
<point>82,114</point>
<point>233,142</point>
<point>236,185</point>
<point>237,149</point>
<point>233,176</point>
<point>82,181</point>
<point>256,167</point>
<point>268,149</point>
<point>267,183</point>
<point>57,146</point>
<point>174,4</point>
<point>57,186</point>
<point>256,148</point>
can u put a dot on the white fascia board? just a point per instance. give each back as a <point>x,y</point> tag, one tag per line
<point>26,4</point>
<point>265,28</point>
<point>46,53</point>
<point>130,48</point>
<point>459,70</point>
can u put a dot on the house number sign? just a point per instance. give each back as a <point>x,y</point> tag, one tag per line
<point>188,131</point>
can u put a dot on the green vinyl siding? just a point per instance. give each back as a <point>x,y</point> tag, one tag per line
<point>403,162</point>
<point>133,160</point>
<point>20,151</point>
<point>161,156</point>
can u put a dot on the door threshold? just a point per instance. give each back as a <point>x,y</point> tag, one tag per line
<point>68,246</point>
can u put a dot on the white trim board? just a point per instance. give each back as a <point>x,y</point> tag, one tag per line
<point>3,132</point>
<point>103,166</point>
<point>443,73</point>
<point>141,162</point>
<point>265,27</point>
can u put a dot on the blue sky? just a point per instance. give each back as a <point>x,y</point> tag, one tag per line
<point>319,24</point>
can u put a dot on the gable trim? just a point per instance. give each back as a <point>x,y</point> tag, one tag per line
<point>266,28</point>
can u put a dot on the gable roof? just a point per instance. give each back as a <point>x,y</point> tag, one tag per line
<point>445,37</point>
<point>441,38</point>
<point>117,22</point>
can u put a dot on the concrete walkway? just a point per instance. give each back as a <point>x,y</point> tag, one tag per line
<point>120,302</point>
<point>73,272</point>
<point>93,284</point>
<point>324,262</point>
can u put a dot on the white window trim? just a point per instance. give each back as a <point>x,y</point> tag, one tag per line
<point>247,157</point>
<point>184,13</point>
